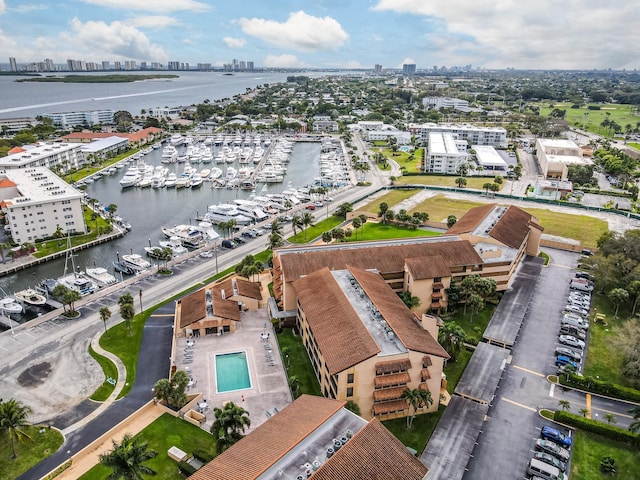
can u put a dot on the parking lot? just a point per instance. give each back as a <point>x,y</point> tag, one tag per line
<point>508,437</point>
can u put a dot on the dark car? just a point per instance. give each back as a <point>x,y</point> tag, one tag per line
<point>567,352</point>
<point>556,436</point>
<point>239,240</point>
<point>562,360</point>
<point>227,244</point>
<point>553,448</point>
<point>585,275</point>
<point>550,460</point>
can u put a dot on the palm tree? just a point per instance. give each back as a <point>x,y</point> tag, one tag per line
<point>13,420</point>
<point>409,300</point>
<point>635,426</point>
<point>307,219</point>
<point>356,223</point>
<point>127,458</point>
<point>230,421</point>
<point>105,314</point>
<point>382,212</point>
<point>452,337</point>
<point>584,412</point>
<point>126,298</point>
<point>416,398</point>
<point>565,405</point>
<point>127,312</point>
<point>327,237</point>
<point>296,222</point>
<point>610,418</point>
<point>294,383</point>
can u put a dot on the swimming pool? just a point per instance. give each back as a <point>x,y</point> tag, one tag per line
<point>232,372</point>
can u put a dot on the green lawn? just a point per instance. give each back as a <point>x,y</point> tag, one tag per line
<point>316,230</point>
<point>420,432</point>
<point>90,170</point>
<point>30,453</point>
<point>473,326</point>
<point>126,346</point>
<point>298,363</point>
<point>440,207</point>
<point>378,231</point>
<point>604,359</point>
<point>634,145</point>
<point>110,370</point>
<point>454,370</point>
<point>588,450</point>
<point>443,181</point>
<point>404,159</point>
<point>164,433</point>
<point>391,198</point>
<point>618,113</point>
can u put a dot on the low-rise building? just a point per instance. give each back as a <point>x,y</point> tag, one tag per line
<point>403,138</point>
<point>473,134</point>
<point>445,154</point>
<point>325,126</point>
<point>37,204</point>
<point>136,139</point>
<point>102,147</point>
<point>14,125</point>
<point>88,118</point>
<point>444,102</point>
<point>61,156</point>
<point>319,438</point>
<point>489,159</point>
<point>555,155</point>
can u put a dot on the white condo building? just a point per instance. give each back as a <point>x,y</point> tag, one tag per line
<point>475,135</point>
<point>445,153</point>
<point>64,156</point>
<point>444,102</point>
<point>87,119</point>
<point>36,202</point>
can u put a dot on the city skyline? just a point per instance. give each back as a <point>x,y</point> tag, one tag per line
<point>324,34</point>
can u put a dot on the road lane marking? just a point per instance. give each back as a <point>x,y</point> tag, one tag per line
<point>588,406</point>
<point>552,390</point>
<point>529,371</point>
<point>519,405</point>
<point>618,414</point>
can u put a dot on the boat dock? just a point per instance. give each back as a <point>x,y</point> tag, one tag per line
<point>7,322</point>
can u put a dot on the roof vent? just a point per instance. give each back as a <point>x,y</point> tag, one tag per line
<point>222,293</point>
<point>330,452</point>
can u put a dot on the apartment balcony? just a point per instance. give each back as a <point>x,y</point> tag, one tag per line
<point>389,407</point>
<point>397,379</point>
<point>386,395</point>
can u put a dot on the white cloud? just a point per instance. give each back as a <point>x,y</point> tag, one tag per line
<point>115,38</point>
<point>301,32</point>
<point>187,41</point>
<point>234,42</point>
<point>2,7</point>
<point>24,8</point>
<point>163,6</point>
<point>407,61</point>
<point>283,61</point>
<point>540,34</point>
<point>156,22</point>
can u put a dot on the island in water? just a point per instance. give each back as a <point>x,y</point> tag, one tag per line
<point>96,78</point>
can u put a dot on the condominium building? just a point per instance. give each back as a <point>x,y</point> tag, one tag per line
<point>13,125</point>
<point>63,156</point>
<point>87,119</point>
<point>13,66</point>
<point>318,438</point>
<point>445,153</point>
<point>444,102</point>
<point>409,69</point>
<point>474,135</point>
<point>37,203</point>
<point>489,159</point>
<point>403,138</point>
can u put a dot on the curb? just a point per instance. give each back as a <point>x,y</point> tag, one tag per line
<point>593,394</point>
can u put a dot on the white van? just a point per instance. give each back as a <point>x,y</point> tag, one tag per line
<point>581,284</point>
<point>544,470</point>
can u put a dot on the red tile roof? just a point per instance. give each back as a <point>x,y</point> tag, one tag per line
<point>255,453</point>
<point>373,454</point>
<point>6,183</point>
<point>470,220</point>
<point>512,228</point>
<point>133,137</point>
<point>397,314</point>
<point>422,268</point>
<point>16,150</point>
<point>342,338</point>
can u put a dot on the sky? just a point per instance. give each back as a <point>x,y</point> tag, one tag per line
<point>521,34</point>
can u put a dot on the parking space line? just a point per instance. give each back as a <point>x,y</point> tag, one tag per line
<point>529,371</point>
<point>612,412</point>
<point>552,390</point>
<point>519,405</point>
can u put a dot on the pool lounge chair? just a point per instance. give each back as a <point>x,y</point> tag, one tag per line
<point>267,413</point>
<point>275,409</point>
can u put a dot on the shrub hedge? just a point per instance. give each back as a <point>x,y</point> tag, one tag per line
<point>598,386</point>
<point>203,455</point>
<point>186,468</point>
<point>594,426</point>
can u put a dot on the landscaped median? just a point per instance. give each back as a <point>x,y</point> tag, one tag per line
<point>606,389</point>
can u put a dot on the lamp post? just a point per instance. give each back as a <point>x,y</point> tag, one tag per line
<point>140,293</point>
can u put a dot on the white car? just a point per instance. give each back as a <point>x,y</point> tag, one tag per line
<point>571,341</point>
<point>576,309</point>
<point>572,320</point>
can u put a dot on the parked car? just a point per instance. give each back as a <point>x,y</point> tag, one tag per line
<point>555,435</point>
<point>239,240</point>
<point>571,319</point>
<point>585,296</point>
<point>571,341</point>
<point>567,352</point>
<point>249,234</point>
<point>581,284</point>
<point>585,275</point>
<point>553,448</point>
<point>576,302</point>
<point>573,330</point>
<point>227,244</point>
<point>318,204</point>
<point>311,206</point>
<point>575,309</point>
<point>562,360</point>
<point>550,460</point>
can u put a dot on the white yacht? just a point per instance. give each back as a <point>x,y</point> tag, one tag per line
<point>171,180</point>
<point>101,276</point>
<point>169,154</point>
<point>188,235</point>
<point>136,262</point>
<point>176,139</point>
<point>131,178</point>
<point>223,212</point>
<point>30,297</point>
<point>79,282</point>
<point>175,244</point>
<point>251,209</point>
<point>195,180</point>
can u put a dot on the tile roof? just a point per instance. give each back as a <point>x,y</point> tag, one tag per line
<point>194,308</point>
<point>471,219</point>
<point>389,366</point>
<point>245,288</point>
<point>389,407</point>
<point>401,320</point>
<point>16,150</point>
<point>133,137</point>
<point>373,454</point>
<point>6,183</point>
<point>255,453</point>
<point>512,227</point>
<point>384,258</point>
<point>427,267</point>
<point>342,338</point>
<point>393,379</point>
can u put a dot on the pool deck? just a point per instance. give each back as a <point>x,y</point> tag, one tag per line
<point>269,385</point>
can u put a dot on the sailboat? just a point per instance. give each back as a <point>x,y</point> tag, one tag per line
<point>78,280</point>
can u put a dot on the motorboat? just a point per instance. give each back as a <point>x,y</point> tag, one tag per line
<point>188,235</point>
<point>155,252</point>
<point>9,305</point>
<point>195,180</point>
<point>223,212</point>
<point>208,233</point>
<point>136,262</point>
<point>176,139</point>
<point>122,268</point>
<point>175,244</point>
<point>131,178</point>
<point>183,181</point>
<point>101,276</point>
<point>30,297</point>
<point>79,282</point>
<point>171,180</point>
<point>47,286</point>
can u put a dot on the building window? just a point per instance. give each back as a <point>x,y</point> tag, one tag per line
<point>350,392</point>
<point>350,378</point>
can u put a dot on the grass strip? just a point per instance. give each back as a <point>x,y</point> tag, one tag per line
<point>110,371</point>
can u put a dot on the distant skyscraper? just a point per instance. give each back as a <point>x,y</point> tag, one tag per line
<point>377,69</point>
<point>13,65</point>
<point>106,65</point>
<point>143,65</point>
<point>409,69</point>
<point>249,65</point>
<point>117,65</point>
